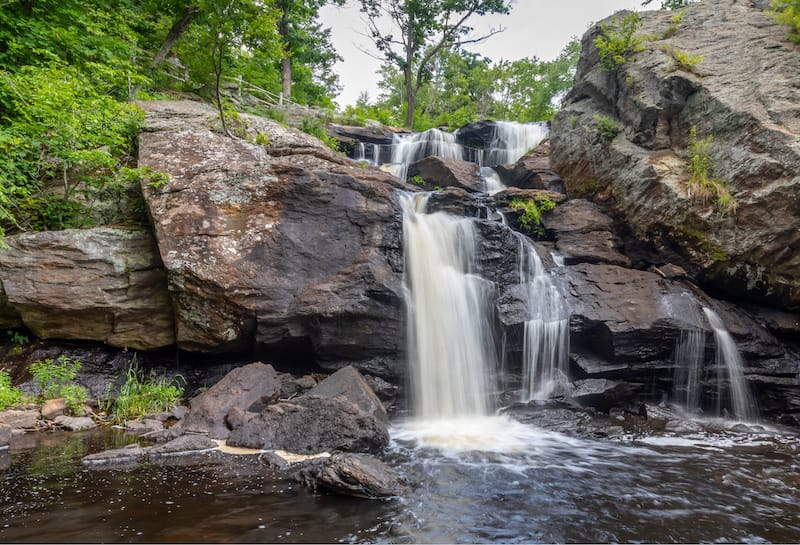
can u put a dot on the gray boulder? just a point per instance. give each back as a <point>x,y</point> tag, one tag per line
<point>359,475</point>
<point>75,423</point>
<point>443,172</point>
<point>5,435</point>
<point>350,384</point>
<point>185,444</point>
<point>21,419</point>
<point>239,389</point>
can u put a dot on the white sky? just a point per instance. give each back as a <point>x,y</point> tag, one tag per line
<point>538,28</point>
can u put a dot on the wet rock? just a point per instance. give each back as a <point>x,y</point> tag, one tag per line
<point>298,255</point>
<point>75,423</point>
<point>311,424</point>
<point>179,412</point>
<point>478,134</point>
<point>5,435</point>
<point>641,174</point>
<point>102,284</point>
<point>601,394</point>
<point>25,419</point>
<point>185,444</point>
<point>280,459</point>
<point>444,172</point>
<point>145,426</point>
<point>120,456</point>
<point>670,271</point>
<point>350,384</point>
<point>291,386</point>
<point>241,388</point>
<point>386,391</point>
<point>532,171</point>
<point>237,417</point>
<point>349,474</point>
<point>53,408</point>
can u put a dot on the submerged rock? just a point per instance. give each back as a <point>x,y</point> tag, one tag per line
<point>126,455</point>
<point>350,474</point>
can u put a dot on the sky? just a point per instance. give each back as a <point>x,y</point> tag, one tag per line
<point>538,28</point>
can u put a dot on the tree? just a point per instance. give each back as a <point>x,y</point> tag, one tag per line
<point>420,31</point>
<point>670,4</point>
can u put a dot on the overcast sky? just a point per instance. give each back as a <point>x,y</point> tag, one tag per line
<point>538,28</point>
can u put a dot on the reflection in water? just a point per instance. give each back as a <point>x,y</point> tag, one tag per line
<point>503,481</point>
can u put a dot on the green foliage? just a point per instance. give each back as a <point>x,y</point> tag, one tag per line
<point>530,220</point>
<point>618,41</point>
<point>703,185</point>
<point>315,127</point>
<point>54,380</point>
<point>675,21</point>
<point>684,61</point>
<point>262,139</point>
<point>787,12</point>
<point>606,126</point>
<point>141,395</point>
<point>417,180</point>
<point>670,4</point>
<point>17,338</point>
<point>9,395</point>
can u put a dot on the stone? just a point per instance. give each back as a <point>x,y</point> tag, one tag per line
<point>75,423</point>
<point>445,172</point>
<point>25,419</point>
<point>532,171</point>
<point>350,384</point>
<point>744,93</point>
<point>53,408</point>
<point>358,475</point>
<point>311,424</point>
<point>386,391</point>
<point>5,435</point>
<point>179,412</point>
<point>185,444</point>
<point>602,394</point>
<point>293,249</point>
<point>103,284</point>
<point>146,426</point>
<point>240,388</point>
<point>120,456</point>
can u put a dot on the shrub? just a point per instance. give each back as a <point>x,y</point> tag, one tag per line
<point>530,220</point>
<point>54,380</point>
<point>314,127</point>
<point>606,126</point>
<point>702,185</point>
<point>9,395</point>
<point>675,21</point>
<point>787,12</point>
<point>685,61</point>
<point>141,395</point>
<point>417,180</point>
<point>618,42</point>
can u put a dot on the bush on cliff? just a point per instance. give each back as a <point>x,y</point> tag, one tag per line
<point>787,12</point>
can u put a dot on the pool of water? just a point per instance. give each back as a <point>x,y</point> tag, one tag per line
<point>522,479</point>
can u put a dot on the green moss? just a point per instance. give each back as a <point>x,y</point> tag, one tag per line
<point>530,219</point>
<point>606,126</point>
<point>703,186</point>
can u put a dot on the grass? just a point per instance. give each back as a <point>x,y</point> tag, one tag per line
<point>703,186</point>
<point>141,395</point>
<point>9,395</point>
<point>530,219</point>
<point>54,380</point>
<point>606,126</point>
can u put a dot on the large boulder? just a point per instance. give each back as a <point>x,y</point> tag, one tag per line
<point>312,424</point>
<point>359,475</point>
<point>443,172</point>
<point>243,387</point>
<point>350,384</point>
<point>743,90</point>
<point>103,284</point>
<point>298,256</point>
<point>532,171</point>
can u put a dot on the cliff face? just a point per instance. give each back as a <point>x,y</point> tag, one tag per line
<point>743,89</point>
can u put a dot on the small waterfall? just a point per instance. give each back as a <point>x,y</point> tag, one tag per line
<point>451,347</point>
<point>513,140</point>
<point>410,148</point>
<point>491,181</point>
<point>546,343</point>
<point>690,350</point>
<point>359,152</point>
<point>743,404</point>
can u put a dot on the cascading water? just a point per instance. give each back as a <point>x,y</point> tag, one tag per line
<point>450,342</point>
<point>513,140</point>
<point>743,404</point>
<point>410,148</point>
<point>546,343</point>
<point>689,354</point>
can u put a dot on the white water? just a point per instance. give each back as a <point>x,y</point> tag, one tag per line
<point>491,181</point>
<point>450,343</point>
<point>513,140</point>
<point>546,344</point>
<point>727,355</point>
<point>410,148</point>
<point>689,352</point>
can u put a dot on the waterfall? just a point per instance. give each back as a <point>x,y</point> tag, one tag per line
<point>410,148</point>
<point>359,152</point>
<point>727,356</point>
<point>491,181</point>
<point>513,140</point>
<point>546,341</point>
<point>451,348</point>
<point>689,354</point>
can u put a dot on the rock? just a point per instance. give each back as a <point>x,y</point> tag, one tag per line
<point>386,391</point>
<point>146,426</point>
<point>532,171</point>
<point>9,317</point>
<point>241,388</point>
<point>297,255</point>
<point>185,444</point>
<point>120,456</point>
<point>601,394</point>
<point>53,408</point>
<point>310,424</point>
<point>25,419</point>
<point>350,384</point>
<point>280,459</point>
<point>75,423</point>
<point>102,284</point>
<point>478,134</point>
<point>349,474</point>
<point>5,435</point>
<point>670,271</point>
<point>179,412</point>
<point>444,172</point>
<point>744,92</point>
<point>291,386</point>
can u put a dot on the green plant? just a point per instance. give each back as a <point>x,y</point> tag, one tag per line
<point>54,380</point>
<point>675,21</point>
<point>702,185</point>
<point>685,61</point>
<point>314,127</point>
<point>606,126</point>
<point>530,219</point>
<point>618,41</point>
<point>9,395</point>
<point>141,395</point>
<point>787,12</point>
<point>417,180</point>
<point>262,139</point>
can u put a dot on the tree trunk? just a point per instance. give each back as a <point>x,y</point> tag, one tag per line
<point>175,33</point>
<point>286,77</point>
<point>286,61</point>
